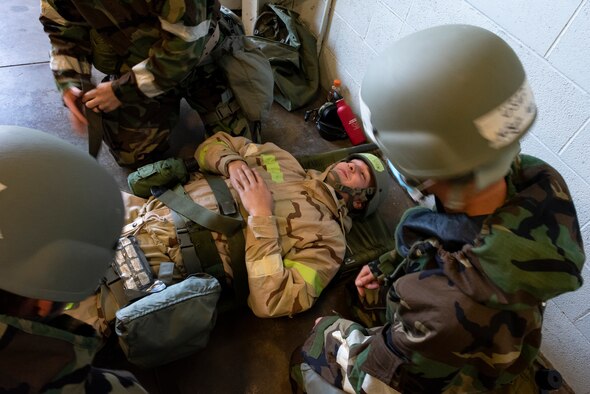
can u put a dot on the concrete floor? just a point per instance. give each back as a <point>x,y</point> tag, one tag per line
<point>245,354</point>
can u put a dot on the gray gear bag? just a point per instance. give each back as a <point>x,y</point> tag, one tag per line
<point>171,324</point>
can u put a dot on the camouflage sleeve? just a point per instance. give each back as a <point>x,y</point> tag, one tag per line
<point>549,256</point>
<point>283,278</point>
<point>332,350</point>
<point>185,27</point>
<point>216,152</point>
<point>291,283</point>
<point>441,338</point>
<point>70,43</point>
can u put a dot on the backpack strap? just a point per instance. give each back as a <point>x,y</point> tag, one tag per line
<point>224,198</point>
<point>236,242</point>
<point>190,259</point>
<point>196,212</point>
<point>113,282</point>
<point>193,237</point>
<point>228,223</point>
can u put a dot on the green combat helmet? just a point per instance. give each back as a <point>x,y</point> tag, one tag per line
<point>373,195</point>
<point>60,217</point>
<point>448,102</point>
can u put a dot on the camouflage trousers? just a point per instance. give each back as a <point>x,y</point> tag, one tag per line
<point>138,133</point>
<point>332,357</point>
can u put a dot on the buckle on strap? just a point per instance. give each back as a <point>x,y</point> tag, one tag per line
<point>184,238</point>
<point>190,259</point>
<point>221,112</point>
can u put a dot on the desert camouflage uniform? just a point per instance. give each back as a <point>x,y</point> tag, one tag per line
<point>465,306</point>
<point>290,257</point>
<point>154,53</point>
<point>37,357</point>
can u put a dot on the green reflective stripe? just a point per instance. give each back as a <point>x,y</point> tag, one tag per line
<point>309,275</point>
<point>273,168</point>
<point>203,153</point>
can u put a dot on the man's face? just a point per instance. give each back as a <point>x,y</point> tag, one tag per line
<point>354,174</point>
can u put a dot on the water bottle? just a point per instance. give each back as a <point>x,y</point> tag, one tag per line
<point>334,94</point>
<point>351,125</point>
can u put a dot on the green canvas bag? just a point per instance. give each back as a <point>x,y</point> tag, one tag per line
<point>291,50</point>
<point>248,74</point>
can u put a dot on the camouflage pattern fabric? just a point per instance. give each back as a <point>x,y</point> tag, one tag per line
<point>465,305</point>
<point>55,357</point>
<point>154,53</point>
<point>290,257</point>
<point>137,133</point>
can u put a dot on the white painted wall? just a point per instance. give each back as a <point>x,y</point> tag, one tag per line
<point>552,39</point>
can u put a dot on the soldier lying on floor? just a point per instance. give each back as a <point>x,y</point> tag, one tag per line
<point>294,222</point>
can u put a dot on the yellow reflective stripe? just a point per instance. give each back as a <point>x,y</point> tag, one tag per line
<point>309,275</point>
<point>273,168</point>
<point>201,159</point>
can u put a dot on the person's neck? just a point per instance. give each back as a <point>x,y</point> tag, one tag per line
<point>487,200</point>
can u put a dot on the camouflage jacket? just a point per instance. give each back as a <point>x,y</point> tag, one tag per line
<point>290,256</point>
<point>151,45</point>
<point>56,358</point>
<point>466,302</point>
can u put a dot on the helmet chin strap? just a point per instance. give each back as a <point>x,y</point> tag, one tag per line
<point>357,194</point>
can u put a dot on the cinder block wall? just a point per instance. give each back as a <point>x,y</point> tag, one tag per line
<point>553,40</point>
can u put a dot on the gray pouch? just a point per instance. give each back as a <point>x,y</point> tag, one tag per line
<point>165,326</point>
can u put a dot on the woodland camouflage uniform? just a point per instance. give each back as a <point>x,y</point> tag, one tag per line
<point>55,357</point>
<point>154,52</point>
<point>465,306</point>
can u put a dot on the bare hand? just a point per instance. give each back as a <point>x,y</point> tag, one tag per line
<point>254,193</point>
<point>102,98</point>
<point>365,280</point>
<point>71,99</point>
